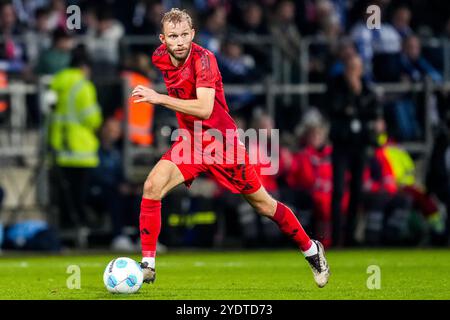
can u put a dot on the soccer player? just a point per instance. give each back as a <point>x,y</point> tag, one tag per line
<point>196,94</point>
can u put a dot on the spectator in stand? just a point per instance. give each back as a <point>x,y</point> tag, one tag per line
<point>391,193</point>
<point>253,24</point>
<point>353,109</point>
<point>325,15</point>
<point>89,21</point>
<point>330,29</point>
<point>414,67</point>
<point>370,42</point>
<point>140,117</point>
<point>212,35</point>
<point>281,160</point>
<point>58,14</point>
<point>58,56</point>
<point>329,32</point>
<point>150,24</point>
<point>72,137</point>
<point>103,42</point>
<point>314,13</point>
<point>401,20</point>
<point>345,50</point>
<point>341,8</point>
<point>12,51</point>
<point>252,21</point>
<point>284,29</point>
<point>311,173</point>
<point>380,194</point>
<point>27,10</point>
<point>39,36</point>
<point>236,66</point>
<point>403,171</point>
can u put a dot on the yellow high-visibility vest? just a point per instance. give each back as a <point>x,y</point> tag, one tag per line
<point>402,165</point>
<point>75,120</point>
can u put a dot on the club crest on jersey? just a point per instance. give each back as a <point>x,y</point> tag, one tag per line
<point>186,73</point>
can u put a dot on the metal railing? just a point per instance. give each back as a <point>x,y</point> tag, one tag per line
<point>13,135</point>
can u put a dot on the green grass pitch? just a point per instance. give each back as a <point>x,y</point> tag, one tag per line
<point>241,275</point>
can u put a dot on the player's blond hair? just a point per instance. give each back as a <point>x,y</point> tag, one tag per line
<point>176,16</point>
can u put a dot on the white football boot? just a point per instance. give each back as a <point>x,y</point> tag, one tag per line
<point>149,273</point>
<point>319,265</point>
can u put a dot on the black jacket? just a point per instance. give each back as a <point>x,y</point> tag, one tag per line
<point>351,116</point>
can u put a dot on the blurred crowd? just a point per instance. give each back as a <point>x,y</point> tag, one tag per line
<point>31,33</point>
<point>341,158</point>
<point>35,41</point>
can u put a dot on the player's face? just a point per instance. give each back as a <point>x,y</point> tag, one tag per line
<point>178,39</point>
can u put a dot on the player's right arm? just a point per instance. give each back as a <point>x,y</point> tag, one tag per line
<point>201,107</point>
<point>206,77</point>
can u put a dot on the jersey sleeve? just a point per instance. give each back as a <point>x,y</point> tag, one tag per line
<point>206,71</point>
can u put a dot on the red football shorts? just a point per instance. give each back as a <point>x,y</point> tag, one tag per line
<point>238,177</point>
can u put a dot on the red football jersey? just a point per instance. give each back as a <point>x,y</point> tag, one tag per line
<point>199,70</point>
<point>233,171</point>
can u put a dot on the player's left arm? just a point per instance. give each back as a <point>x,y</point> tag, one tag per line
<point>201,107</point>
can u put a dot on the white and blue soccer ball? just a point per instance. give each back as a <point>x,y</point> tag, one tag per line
<point>123,275</point>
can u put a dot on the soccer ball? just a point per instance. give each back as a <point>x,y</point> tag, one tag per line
<point>123,275</point>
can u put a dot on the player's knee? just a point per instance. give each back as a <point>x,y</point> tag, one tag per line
<point>152,189</point>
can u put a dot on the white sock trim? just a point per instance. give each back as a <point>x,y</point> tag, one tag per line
<point>311,251</point>
<point>150,261</point>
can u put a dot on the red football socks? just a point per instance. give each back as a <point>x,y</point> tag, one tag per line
<point>289,225</point>
<point>149,225</point>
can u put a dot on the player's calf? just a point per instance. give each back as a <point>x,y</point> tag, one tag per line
<point>266,209</point>
<point>163,177</point>
<point>262,202</point>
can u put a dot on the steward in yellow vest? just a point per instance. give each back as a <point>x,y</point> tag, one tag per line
<point>75,119</point>
<point>73,139</point>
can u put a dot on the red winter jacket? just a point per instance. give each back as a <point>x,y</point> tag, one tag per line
<point>312,171</point>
